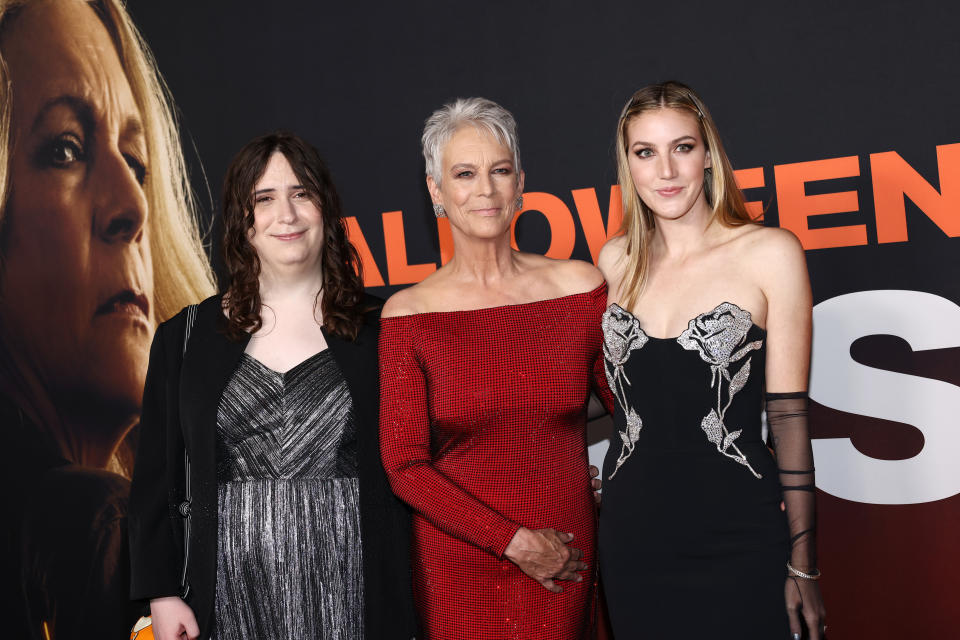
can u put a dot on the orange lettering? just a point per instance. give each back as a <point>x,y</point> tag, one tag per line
<point>371,275</point>
<point>893,179</point>
<point>588,210</point>
<point>751,179</point>
<point>397,268</point>
<point>562,231</point>
<point>795,206</point>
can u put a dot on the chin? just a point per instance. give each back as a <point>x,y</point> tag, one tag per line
<point>115,371</point>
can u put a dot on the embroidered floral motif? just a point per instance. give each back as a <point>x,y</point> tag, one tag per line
<point>719,336</point>
<point>621,336</point>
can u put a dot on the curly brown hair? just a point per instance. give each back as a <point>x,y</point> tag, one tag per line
<point>342,294</point>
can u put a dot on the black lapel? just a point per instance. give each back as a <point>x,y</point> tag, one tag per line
<point>210,361</point>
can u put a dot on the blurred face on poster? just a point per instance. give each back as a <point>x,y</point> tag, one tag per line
<point>667,158</point>
<point>76,278</point>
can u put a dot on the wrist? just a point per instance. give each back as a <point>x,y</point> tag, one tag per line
<point>807,573</point>
<point>517,542</point>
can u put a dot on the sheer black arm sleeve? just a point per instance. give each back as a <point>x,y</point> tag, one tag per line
<point>787,418</point>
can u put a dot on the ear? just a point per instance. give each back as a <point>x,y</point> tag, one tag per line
<point>520,182</point>
<point>707,160</point>
<point>434,190</point>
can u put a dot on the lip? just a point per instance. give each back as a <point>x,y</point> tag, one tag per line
<point>127,302</point>
<point>286,237</point>
<point>492,211</point>
<point>669,192</point>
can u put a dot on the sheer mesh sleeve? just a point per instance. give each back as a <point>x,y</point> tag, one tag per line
<point>787,418</point>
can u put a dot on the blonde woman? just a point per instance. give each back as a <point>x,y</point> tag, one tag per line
<point>709,315</point>
<point>99,243</point>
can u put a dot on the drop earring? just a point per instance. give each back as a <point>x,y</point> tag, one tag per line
<point>439,211</point>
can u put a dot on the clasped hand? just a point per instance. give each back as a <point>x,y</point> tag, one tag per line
<point>544,555</point>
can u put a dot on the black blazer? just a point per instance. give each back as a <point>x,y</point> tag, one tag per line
<point>181,397</point>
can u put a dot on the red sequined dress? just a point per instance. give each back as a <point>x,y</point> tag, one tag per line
<point>482,431</point>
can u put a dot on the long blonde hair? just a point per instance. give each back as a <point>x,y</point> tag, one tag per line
<point>719,185</point>
<point>181,270</point>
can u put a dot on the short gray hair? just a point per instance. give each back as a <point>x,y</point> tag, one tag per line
<point>478,112</point>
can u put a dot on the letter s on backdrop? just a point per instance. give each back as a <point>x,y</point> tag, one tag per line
<point>925,321</point>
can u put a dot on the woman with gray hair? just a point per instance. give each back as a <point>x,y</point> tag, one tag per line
<point>486,369</point>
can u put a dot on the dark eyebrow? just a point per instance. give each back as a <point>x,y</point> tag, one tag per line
<point>296,187</point>
<point>672,142</point>
<point>80,107</point>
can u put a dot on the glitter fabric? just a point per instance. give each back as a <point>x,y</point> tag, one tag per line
<point>715,335</point>
<point>622,335</point>
<point>482,431</point>
<point>289,559</point>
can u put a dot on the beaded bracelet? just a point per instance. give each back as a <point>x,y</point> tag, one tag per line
<point>813,575</point>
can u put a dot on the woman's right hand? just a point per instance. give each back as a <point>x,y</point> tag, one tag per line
<point>173,619</point>
<point>543,555</point>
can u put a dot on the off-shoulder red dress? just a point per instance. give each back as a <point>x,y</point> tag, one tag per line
<point>482,431</point>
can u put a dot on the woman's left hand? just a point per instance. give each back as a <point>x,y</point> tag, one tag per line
<point>805,607</point>
<point>595,483</point>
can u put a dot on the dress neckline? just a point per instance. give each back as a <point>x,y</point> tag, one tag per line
<point>283,374</point>
<point>693,319</point>
<point>600,288</point>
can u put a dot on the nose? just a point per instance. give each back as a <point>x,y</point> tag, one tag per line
<point>287,212</point>
<point>121,210</point>
<point>485,183</point>
<point>665,167</point>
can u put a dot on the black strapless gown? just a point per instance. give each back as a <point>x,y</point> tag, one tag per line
<point>693,543</point>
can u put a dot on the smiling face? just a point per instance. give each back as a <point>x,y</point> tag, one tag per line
<point>76,280</point>
<point>667,159</point>
<point>480,184</point>
<point>287,230</point>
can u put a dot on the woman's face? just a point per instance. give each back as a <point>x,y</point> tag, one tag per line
<point>667,158</point>
<point>76,279</point>
<point>480,185</point>
<point>287,227</point>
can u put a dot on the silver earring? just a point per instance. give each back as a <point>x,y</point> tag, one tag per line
<point>439,211</point>
<point>519,203</point>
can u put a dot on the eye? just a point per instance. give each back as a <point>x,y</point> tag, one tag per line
<point>685,146</point>
<point>262,199</point>
<point>137,167</point>
<point>62,151</point>
<point>300,195</point>
<point>503,171</point>
<point>644,152</point>
<point>466,173</point>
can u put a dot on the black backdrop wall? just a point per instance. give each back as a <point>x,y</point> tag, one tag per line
<point>841,118</point>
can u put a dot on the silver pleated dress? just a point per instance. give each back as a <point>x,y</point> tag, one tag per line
<point>289,559</point>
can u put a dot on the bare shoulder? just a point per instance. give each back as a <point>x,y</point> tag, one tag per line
<point>773,249</point>
<point>777,258</point>
<point>569,276</point>
<point>403,303</point>
<point>611,256</point>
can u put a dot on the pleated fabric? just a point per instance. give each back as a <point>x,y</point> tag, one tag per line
<point>289,559</point>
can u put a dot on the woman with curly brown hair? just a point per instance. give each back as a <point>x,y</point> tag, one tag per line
<point>259,431</point>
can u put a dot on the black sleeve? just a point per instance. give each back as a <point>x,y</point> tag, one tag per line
<point>154,549</point>
<point>787,417</point>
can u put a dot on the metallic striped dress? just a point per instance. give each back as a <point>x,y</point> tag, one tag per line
<point>289,559</point>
